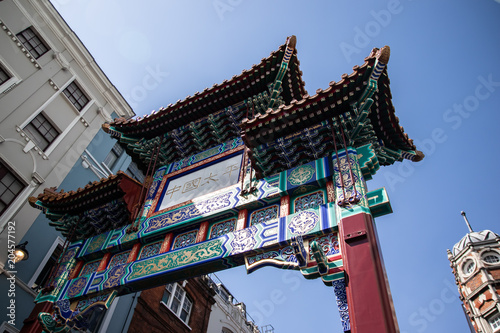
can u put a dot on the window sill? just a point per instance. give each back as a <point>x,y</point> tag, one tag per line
<point>182,321</point>
<point>32,145</point>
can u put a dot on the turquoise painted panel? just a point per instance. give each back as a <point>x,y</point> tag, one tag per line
<point>379,203</point>
<point>307,176</point>
<point>95,244</point>
<point>368,161</point>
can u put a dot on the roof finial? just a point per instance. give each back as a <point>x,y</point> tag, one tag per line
<point>466,221</point>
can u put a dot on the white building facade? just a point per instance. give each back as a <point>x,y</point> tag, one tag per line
<point>53,100</point>
<point>228,315</point>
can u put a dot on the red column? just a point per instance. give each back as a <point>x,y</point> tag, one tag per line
<point>202,232</point>
<point>104,262</point>
<point>76,270</point>
<point>134,253</point>
<point>31,324</point>
<point>167,242</point>
<point>370,304</point>
<point>242,219</point>
<point>330,191</point>
<point>284,206</point>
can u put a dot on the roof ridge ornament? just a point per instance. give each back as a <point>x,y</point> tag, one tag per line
<point>384,54</point>
<point>275,91</point>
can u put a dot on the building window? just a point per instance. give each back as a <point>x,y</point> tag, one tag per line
<point>495,322</point>
<point>491,257</point>
<point>226,330</point>
<point>76,96</point>
<point>32,42</point>
<point>4,75</point>
<point>94,319</point>
<point>44,275</point>
<point>10,187</point>
<point>41,131</point>
<point>113,156</point>
<point>224,294</point>
<point>8,78</point>
<point>468,267</point>
<point>134,172</point>
<point>5,327</point>
<point>176,299</point>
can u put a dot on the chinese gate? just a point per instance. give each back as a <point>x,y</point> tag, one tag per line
<point>253,171</point>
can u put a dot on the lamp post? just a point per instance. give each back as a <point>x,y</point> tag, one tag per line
<point>20,252</point>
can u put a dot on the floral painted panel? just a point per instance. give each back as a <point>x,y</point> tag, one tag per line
<point>150,250</point>
<point>119,259</point>
<point>264,215</point>
<point>90,267</point>
<point>222,228</point>
<point>308,201</point>
<point>185,239</point>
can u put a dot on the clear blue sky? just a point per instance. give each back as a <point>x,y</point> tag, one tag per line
<point>445,82</point>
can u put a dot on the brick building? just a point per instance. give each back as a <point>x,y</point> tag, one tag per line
<point>475,261</point>
<point>177,307</point>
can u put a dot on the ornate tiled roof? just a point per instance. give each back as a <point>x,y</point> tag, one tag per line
<point>281,124</point>
<point>358,107</point>
<point>240,87</point>
<point>212,116</point>
<point>95,208</point>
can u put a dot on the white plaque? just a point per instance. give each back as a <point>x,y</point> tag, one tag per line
<point>206,180</point>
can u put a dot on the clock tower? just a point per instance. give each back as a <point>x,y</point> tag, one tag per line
<point>475,261</point>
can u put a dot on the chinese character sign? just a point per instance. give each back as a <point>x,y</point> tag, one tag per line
<point>203,181</point>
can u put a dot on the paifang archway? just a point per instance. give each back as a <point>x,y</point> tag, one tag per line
<point>253,171</point>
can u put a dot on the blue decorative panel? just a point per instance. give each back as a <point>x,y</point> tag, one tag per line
<point>90,267</point>
<point>341,296</point>
<point>150,250</point>
<point>222,228</point>
<point>196,210</point>
<point>312,200</point>
<point>264,215</point>
<point>119,259</point>
<point>185,239</point>
<point>301,175</point>
<point>310,221</point>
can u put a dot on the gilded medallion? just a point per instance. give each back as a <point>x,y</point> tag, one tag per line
<point>301,175</point>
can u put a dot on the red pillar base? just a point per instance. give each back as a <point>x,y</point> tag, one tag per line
<point>31,324</point>
<point>370,304</point>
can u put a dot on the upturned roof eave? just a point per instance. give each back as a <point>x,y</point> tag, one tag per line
<point>93,194</point>
<point>331,102</point>
<point>213,99</point>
